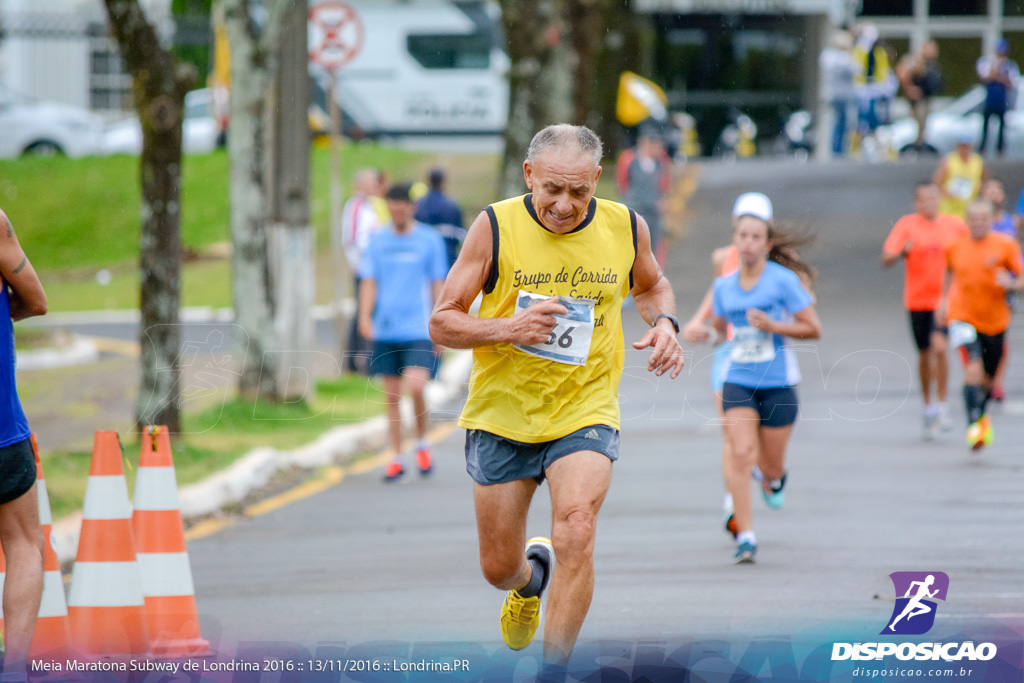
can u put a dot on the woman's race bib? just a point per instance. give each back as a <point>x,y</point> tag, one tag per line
<point>751,345</point>
<point>570,339</point>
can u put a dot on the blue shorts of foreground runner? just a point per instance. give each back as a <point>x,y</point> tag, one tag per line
<point>390,358</point>
<point>776,406</point>
<point>493,459</point>
<point>17,470</point>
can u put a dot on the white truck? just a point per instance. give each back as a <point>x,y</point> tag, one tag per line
<point>412,69</point>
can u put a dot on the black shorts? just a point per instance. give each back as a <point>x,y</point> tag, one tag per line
<point>17,470</point>
<point>989,348</point>
<point>922,324</point>
<point>776,406</point>
<point>390,358</point>
<point>493,459</point>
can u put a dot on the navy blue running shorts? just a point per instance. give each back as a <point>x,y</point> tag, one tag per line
<point>390,358</point>
<point>493,459</point>
<point>17,470</point>
<point>777,406</point>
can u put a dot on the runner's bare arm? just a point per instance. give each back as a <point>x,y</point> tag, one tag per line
<point>889,259</point>
<point>805,324</point>
<point>939,178</point>
<point>452,325</point>
<point>695,330</point>
<point>367,301</point>
<point>653,296</point>
<point>27,296</point>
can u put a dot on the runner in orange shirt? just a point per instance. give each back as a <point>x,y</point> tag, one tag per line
<point>920,239</point>
<point>984,267</point>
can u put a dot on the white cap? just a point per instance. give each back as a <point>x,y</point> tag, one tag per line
<point>753,204</point>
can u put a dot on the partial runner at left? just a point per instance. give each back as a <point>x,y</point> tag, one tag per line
<point>21,296</point>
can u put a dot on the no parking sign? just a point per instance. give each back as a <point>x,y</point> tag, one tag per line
<point>335,34</point>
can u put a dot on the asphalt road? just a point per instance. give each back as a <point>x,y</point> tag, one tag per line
<point>365,567</point>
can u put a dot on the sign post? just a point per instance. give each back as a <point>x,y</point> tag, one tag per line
<point>335,39</point>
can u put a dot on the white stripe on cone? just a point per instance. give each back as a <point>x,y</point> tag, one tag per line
<point>106,497</point>
<point>53,596</point>
<point>44,503</point>
<point>156,489</point>
<point>106,584</point>
<point>165,574</point>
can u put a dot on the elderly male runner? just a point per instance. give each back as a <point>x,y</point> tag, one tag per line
<point>554,266</point>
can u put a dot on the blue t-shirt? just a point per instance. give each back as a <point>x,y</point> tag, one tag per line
<point>405,268</point>
<point>13,425</point>
<point>1005,225</point>
<point>760,359</point>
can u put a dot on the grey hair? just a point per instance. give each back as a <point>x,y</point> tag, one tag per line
<point>982,204</point>
<point>565,137</point>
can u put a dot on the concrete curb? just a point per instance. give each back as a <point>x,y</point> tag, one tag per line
<point>256,468</point>
<point>82,350</point>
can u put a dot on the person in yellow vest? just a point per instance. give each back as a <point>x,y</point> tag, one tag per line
<point>959,176</point>
<point>874,85</point>
<point>554,266</point>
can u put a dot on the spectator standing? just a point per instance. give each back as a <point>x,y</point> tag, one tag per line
<point>872,83</point>
<point>643,176</point>
<point>440,211</point>
<point>921,78</point>
<point>838,67</point>
<point>359,220</point>
<point>402,273</point>
<point>1000,75</point>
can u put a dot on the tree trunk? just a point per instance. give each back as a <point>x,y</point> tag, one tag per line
<point>159,87</point>
<point>540,78</point>
<point>252,65</point>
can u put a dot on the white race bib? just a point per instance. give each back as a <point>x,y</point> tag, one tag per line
<point>570,339</point>
<point>961,333</point>
<point>751,345</point>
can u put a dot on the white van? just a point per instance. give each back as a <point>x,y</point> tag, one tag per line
<point>418,68</point>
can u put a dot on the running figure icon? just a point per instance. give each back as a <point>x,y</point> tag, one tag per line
<point>916,607</point>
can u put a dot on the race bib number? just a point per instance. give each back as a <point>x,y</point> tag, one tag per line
<point>961,333</point>
<point>961,188</point>
<point>751,345</point>
<point>570,339</point>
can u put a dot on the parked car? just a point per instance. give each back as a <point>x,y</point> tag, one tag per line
<point>34,127</point>
<point>200,129</point>
<point>947,123</point>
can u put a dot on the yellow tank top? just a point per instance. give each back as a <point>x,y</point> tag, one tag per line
<point>963,181</point>
<point>530,398</point>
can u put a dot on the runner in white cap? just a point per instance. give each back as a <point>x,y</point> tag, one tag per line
<point>764,302</point>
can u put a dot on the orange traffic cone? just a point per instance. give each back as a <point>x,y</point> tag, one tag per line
<point>52,635</point>
<point>51,632</point>
<point>171,615</point>
<point>105,607</point>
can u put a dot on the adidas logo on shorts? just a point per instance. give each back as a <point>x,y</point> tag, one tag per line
<point>592,434</point>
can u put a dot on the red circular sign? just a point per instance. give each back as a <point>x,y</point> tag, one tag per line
<point>335,34</point>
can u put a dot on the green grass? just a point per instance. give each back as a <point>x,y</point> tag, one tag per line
<point>217,436</point>
<point>75,217</point>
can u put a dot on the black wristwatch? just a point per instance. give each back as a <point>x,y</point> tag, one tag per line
<point>671,318</point>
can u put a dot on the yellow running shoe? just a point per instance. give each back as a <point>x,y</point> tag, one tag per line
<point>976,436</point>
<point>986,425</point>
<point>520,616</point>
<point>519,619</point>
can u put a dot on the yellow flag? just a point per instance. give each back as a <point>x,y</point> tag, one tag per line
<point>639,99</point>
